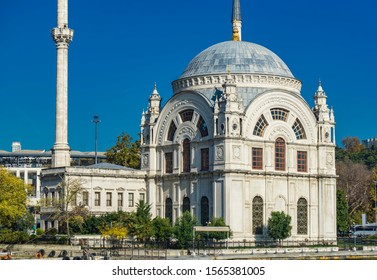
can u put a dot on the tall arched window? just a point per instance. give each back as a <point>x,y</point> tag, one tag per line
<point>204,211</point>
<point>186,205</point>
<point>257,215</point>
<point>280,154</point>
<point>169,209</point>
<point>186,155</point>
<point>302,216</point>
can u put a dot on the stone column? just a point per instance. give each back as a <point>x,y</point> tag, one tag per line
<point>62,36</point>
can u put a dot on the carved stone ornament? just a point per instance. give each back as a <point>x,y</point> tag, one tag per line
<point>236,152</point>
<point>219,152</point>
<point>145,160</point>
<point>329,158</point>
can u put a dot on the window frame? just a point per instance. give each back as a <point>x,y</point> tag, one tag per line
<point>120,199</point>
<point>257,158</point>
<point>186,156</point>
<point>280,154</point>
<point>97,199</point>
<point>169,162</point>
<point>302,161</point>
<point>204,159</point>
<point>131,199</point>
<point>109,199</point>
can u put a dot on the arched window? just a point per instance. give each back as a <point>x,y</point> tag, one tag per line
<point>204,211</point>
<point>186,205</point>
<point>257,215</point>
<point>299,130</point>
<point>171,131</point>
<point>279,114</point>
<point>260,126</point>
<point>186,156</point>
<point>280,154</point>
<point>202,126</point>
<point>169,209</point>
<point>302,216</point>
<point>186,115</point>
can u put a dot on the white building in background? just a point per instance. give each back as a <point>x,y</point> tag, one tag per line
<point>105,188</point>
<point>28,165</point>
<point>237,140</point>
<point>370,143</point>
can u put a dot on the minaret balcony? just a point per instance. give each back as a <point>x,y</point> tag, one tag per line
<point>62,35</point>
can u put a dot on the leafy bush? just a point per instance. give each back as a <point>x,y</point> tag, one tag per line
<point>39,231</point>
<point>12,237</point>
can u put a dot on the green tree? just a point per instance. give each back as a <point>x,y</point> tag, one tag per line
<point>125,152</point>
<point>342,222</point>
<point>13,199</point>
<point>352,144</point>
<point>143,221</point>
<point>217,222</point>
<point>355,180</point>
<point>65,209</point>
<point>183,229</point>
<point>279,226</point>
<point>162,229</point>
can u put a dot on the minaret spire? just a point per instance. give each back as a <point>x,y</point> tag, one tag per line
<point>236,21</point>
<point>62,37</point>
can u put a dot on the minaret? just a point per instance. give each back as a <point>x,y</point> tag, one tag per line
<point>236,21</point>
<point>62,36</point>
<point>154,104</point>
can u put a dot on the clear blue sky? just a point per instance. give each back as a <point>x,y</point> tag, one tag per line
<point>121,48</point>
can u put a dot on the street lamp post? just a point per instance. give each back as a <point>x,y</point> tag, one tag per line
<point>375,201</point>
<point>96,120</point>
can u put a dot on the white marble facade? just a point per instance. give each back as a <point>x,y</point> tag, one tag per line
<point>237,140</point>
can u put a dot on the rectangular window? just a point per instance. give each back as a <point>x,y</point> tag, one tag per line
<point>280,154</point>
<point>97,199</point>
<point>302,161</point>
<point>85,198</point>
<point>142,197</point>
<point>205,159</point>
<point>108,198</point>
<point>130,200</point>
<point>120,199</point>
<point>257,158</point>
<point>169,162</point>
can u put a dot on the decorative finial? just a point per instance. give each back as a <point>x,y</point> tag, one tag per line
<point>236,21</point>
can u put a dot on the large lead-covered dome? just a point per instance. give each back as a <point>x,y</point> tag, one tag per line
<point>239,57</point>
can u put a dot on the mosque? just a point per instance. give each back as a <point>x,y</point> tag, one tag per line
<point>236,140</point>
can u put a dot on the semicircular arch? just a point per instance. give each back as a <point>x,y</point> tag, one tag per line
<point>293,103</point>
